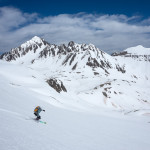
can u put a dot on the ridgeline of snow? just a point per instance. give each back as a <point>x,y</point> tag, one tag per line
<point>138,50</point>
<point>138,53</point>
<point>106,103</point>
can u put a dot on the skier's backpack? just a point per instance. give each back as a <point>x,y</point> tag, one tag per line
<point>36,109</point>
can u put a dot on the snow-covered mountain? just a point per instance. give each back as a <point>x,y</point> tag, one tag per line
<point>139,53</point>
<point>87,73</point>
<point>87,95</point>
<point>73,55</point>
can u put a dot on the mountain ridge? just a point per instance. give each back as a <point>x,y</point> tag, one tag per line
<point>80,75</point>
<point>42,49</point>
<point>36,42</point>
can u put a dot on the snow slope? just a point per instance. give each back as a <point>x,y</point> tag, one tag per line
<point>106,105</point>
<point>65,129</point>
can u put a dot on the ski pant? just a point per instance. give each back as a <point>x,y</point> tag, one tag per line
<point>37,114</point>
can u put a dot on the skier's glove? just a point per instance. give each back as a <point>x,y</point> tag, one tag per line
<point>44,110</point>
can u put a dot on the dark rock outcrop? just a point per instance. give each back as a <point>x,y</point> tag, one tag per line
<point>57,85</point>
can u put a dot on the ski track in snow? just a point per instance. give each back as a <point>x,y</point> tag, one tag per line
<point>14,114</point>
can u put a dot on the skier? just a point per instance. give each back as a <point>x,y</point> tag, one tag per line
<point>37,110</point>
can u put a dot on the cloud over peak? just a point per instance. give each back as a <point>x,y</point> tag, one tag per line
<point>107,32</point>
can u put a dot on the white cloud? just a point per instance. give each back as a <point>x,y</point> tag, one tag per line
<point>107,32</point>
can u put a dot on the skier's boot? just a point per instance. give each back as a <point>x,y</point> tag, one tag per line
<point>39,117</point>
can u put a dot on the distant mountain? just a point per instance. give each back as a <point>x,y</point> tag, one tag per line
<point>31,45</point>
<point>81,75</point>
<point>69,55</point>
<point>139,53</point>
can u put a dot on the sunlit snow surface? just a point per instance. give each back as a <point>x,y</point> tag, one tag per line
<point>82,118</point>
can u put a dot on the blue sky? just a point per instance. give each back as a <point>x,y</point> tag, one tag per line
<point>55,7</point>
<point>112,25</point>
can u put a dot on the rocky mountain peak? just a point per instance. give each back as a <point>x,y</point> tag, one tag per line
<point>72,55</point>
<point>36,38</point>
<point>30,46</point>
<point>71,44</point>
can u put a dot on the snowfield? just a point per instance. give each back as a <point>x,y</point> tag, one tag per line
<point>102,109</point>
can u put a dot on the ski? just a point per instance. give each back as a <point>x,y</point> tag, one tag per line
<point>42,122</point>
<point>36,120</point>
